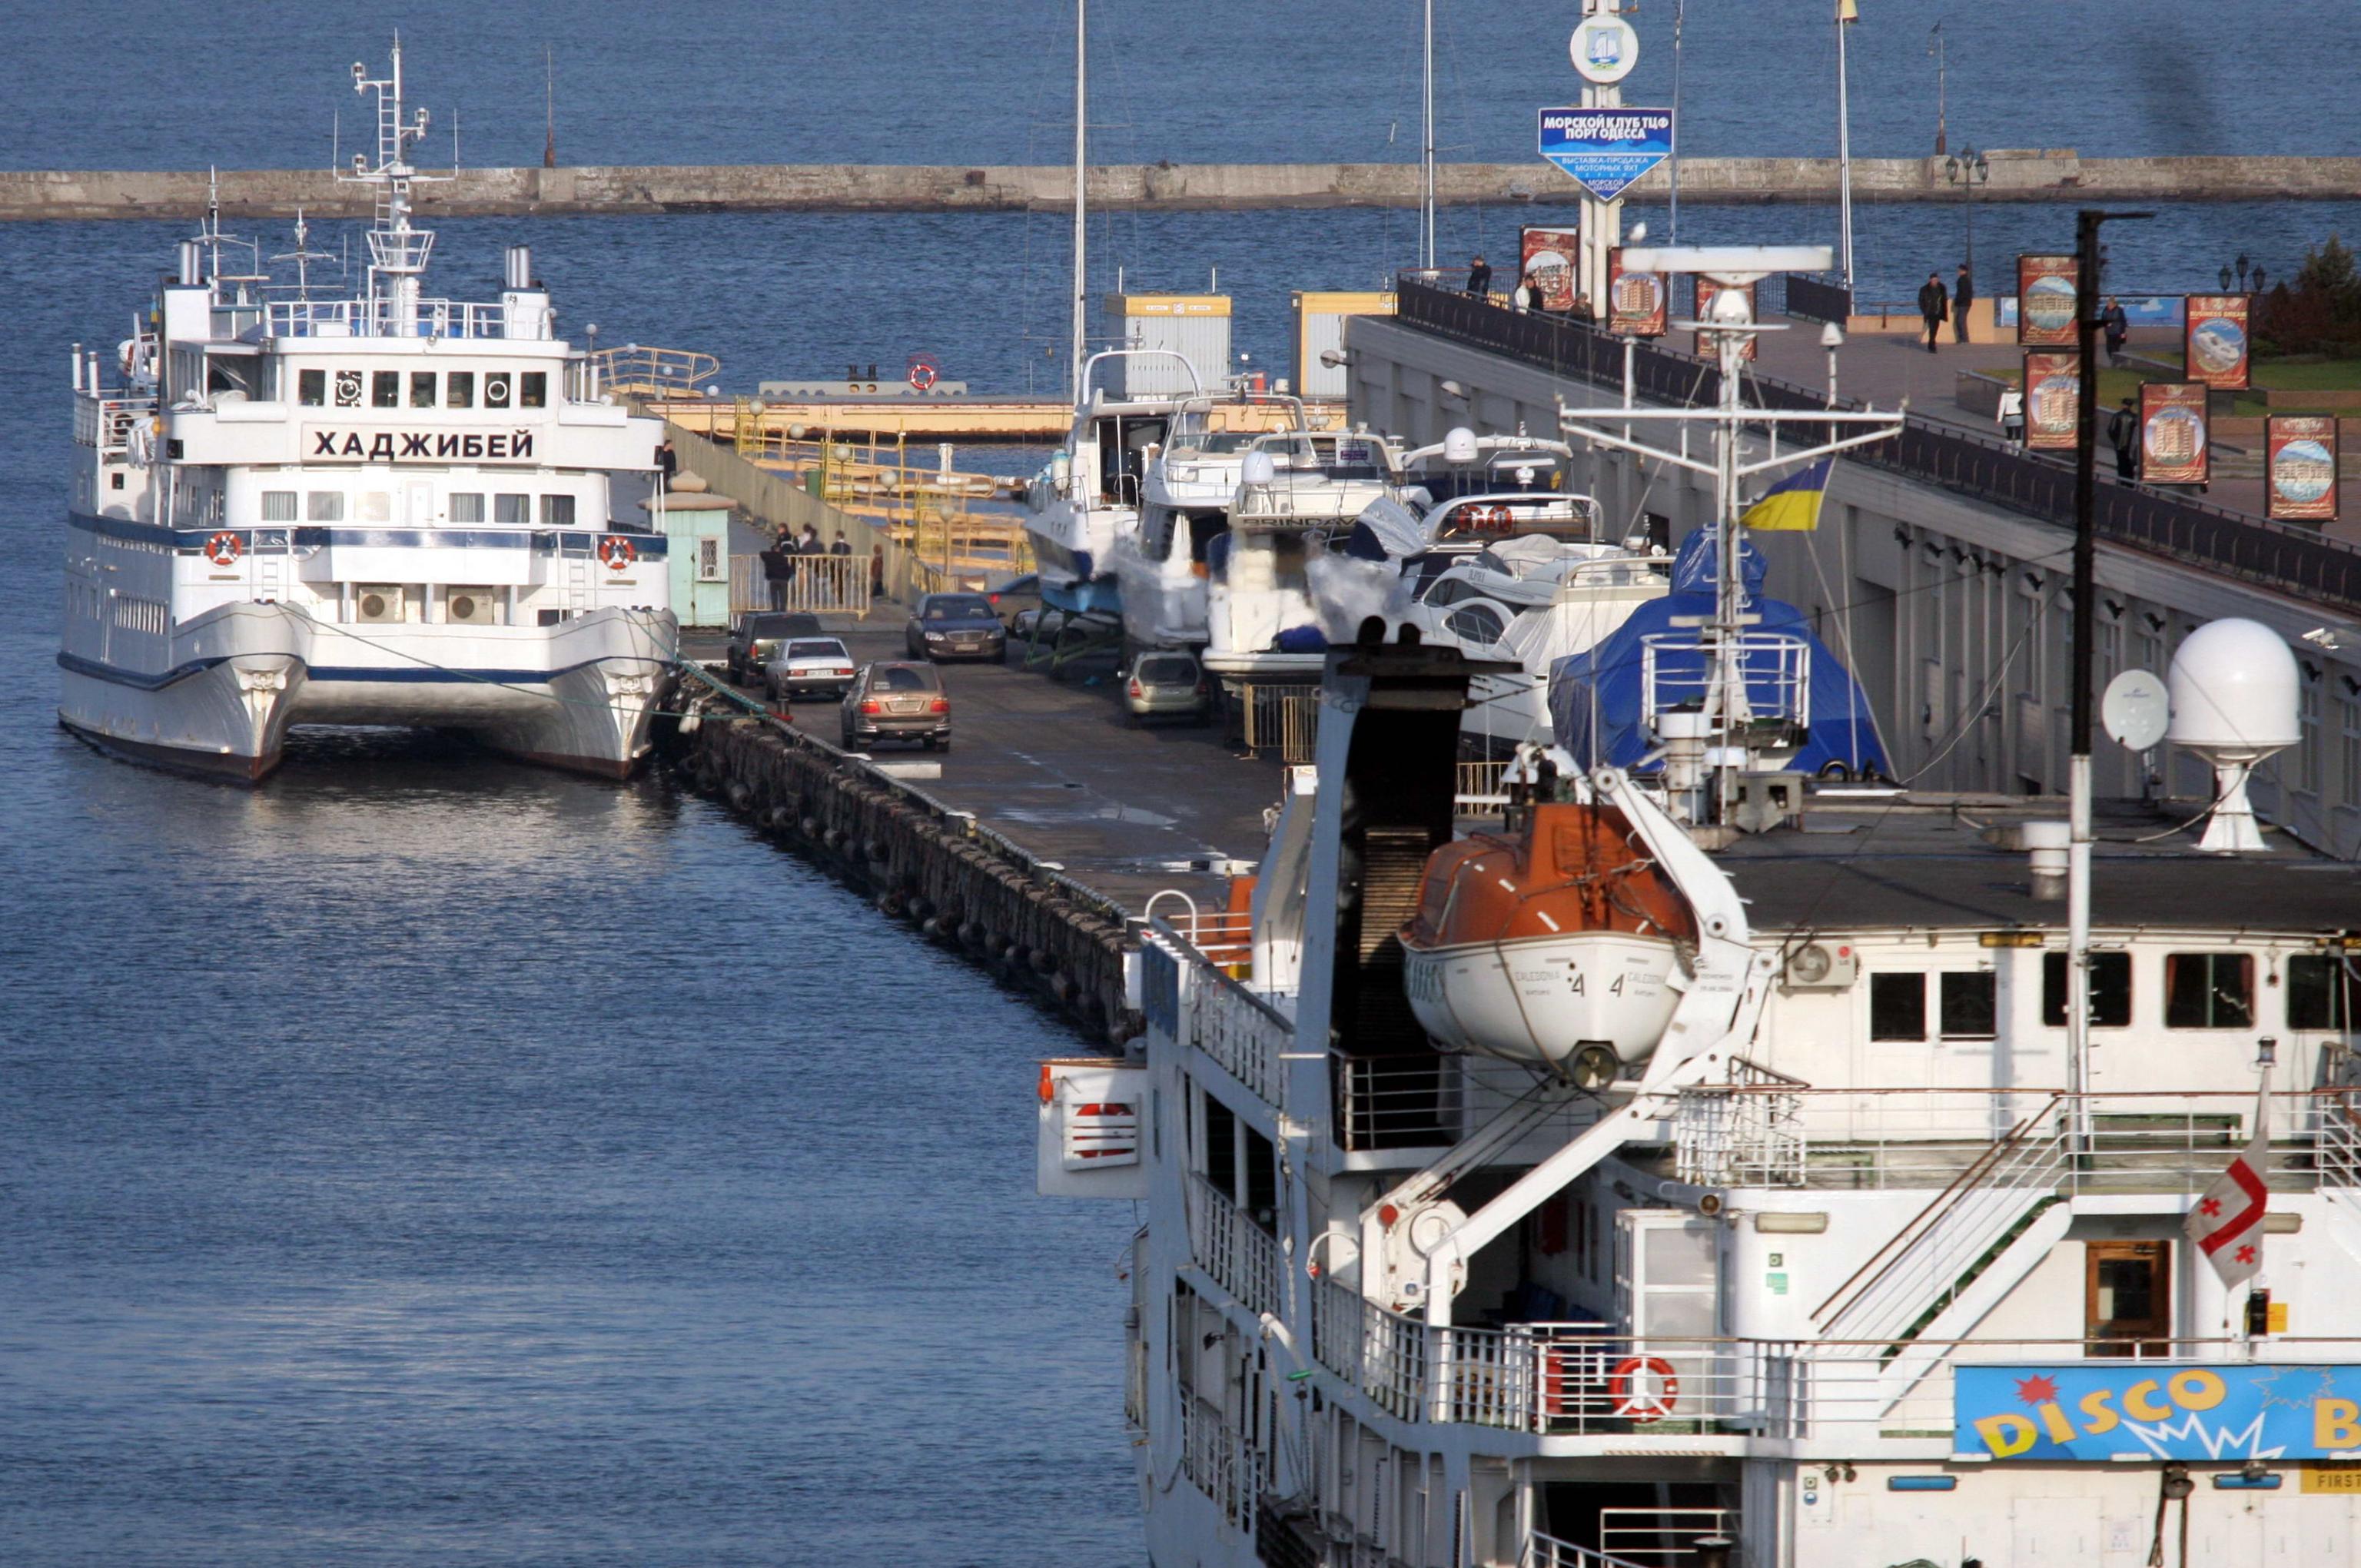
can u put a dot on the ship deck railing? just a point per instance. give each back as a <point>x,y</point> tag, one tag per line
<point>1548,1551</point>
<point>1792,1135</point>
<point>1578,1380</point>
<point>107,420</point>
<point>367,318</point>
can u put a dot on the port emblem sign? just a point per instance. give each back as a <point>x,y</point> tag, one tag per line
<point>1606,150</point>
<point>1604,49</point>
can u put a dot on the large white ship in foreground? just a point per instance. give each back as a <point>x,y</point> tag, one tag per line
<point>381,511</point>
<point>1704,1165</point>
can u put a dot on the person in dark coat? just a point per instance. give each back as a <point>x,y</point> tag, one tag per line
<point>1964,294</point>
<point>2124,431</point>
<point>2117,326</point>
<point>1479,277</point>
<point>667,464</point>
<point>779,568</point>
<point>1934,304</point>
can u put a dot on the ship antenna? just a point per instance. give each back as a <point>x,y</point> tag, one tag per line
<point>398,250</point>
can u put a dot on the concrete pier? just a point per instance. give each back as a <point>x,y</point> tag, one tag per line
<point>2031,175</point>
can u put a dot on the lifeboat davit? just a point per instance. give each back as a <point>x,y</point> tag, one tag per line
<point>1561,945</point>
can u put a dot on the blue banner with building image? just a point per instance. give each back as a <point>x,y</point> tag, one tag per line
<point>2100,1410</point>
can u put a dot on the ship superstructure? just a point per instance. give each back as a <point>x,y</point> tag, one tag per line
<point>1713,1165</point>
<point>380,510</point>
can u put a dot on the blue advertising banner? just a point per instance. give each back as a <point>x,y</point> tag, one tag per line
<point>1607,149</point>
<point>2100,1410</point>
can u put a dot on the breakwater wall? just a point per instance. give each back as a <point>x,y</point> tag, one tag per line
<point>960,883</point>
<point>2040,175</point>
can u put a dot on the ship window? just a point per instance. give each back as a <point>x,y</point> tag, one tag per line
<point>467,508</point>
<point>1261,1181</point>
<point>532,390</point>
<point>511,508</point>
<point>2208,991</point>
<point>377,506</point>
<point>1475,623</point>
<point>349,388</point>
<point>421,388</point>
<point>1222,1148</point>
<point>277,506</point>
<point>496,390</point>
<point>324,506</point>
<point>459,390</point>
<point>311,388</point>
<point>2111,990</point>
<point>2322,989</point>
<point>557,511</point>
<point>385,389</point>
<point>1971,1005</point>
<point>1897,1006</point>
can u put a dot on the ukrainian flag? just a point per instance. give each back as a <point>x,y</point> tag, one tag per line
<point>1793,503</point>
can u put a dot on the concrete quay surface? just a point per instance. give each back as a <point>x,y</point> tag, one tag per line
<point>2038,175</point>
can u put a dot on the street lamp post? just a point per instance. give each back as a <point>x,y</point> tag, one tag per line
<point>1934,48</point>
<point>1968,169</point>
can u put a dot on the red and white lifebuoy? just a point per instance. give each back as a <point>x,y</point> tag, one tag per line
<point>1644,1387</point>
<point>616,552</point>
<point>223,549</point>
<point>923,374</point>
<point>1499,520</point>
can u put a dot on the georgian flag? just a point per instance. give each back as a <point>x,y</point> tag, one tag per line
<point>2226,1222</point>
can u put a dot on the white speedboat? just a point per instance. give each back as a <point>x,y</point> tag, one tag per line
<point>1161,564</point>
<point>1089,495</point>
<point>1299,495</point>
<point>384,509</point>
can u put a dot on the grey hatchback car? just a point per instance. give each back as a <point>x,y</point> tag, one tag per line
<point>897,700</point>
<point>1165,684</point>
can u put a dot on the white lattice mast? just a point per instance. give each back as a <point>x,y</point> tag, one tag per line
<point>398,251</point>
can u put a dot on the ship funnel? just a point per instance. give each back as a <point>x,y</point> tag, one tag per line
<point>520,266</point>
<point>192,264</point>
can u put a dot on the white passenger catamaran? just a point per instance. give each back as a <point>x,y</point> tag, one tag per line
<point>383,509</point>
<point>1707,1165</point>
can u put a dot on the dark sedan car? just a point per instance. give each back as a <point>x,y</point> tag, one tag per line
<point>758,635</point>
<point>895,701</point>
<point>955,626</point>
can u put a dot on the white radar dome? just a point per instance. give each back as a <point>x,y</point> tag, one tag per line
<point>1459,445</point>
<point>2234,691</point>
<point>1257,468</point>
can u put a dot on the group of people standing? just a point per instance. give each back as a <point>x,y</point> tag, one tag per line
<point>1530,295</point>
<point>783,559</point>
<point>1938,304</point>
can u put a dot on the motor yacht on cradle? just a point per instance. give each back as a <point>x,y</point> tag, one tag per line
<point>386,509</point>
<point>1089,494</point>
<point>1162,564</point>
<point>1299,494</point>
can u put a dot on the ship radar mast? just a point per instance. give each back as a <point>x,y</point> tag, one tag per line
<point>1753,700</point>
<point>398,251</point>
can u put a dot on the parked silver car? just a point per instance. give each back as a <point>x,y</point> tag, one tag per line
<point>897,700</point>
<point>805,665</point>
<point>1163,683</point>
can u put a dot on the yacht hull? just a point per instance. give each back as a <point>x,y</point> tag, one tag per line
<point>581,694</point>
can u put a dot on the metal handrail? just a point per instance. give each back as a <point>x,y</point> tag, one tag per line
<point>2283,557</point>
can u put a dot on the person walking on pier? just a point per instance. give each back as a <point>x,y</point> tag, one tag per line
<point>2124,431</point>
<point>2117,326</point>
<point>1964,294</point>
<point>1479,277</point>
<point>1934,304</point>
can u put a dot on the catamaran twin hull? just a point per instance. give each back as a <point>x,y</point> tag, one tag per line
<point>579,695</point>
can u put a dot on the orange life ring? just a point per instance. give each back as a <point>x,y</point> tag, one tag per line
<point>922,376</point>
<point>1639,1404</point>
<point>1499,520</point>
<point>222,549</point>
<point>616,552</point>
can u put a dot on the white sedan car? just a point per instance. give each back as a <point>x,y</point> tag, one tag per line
<point>804,666</point>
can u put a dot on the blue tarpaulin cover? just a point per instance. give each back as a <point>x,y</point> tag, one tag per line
<point>1595,696</point>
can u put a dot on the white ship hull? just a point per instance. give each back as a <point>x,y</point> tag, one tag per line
<point>578,695</point>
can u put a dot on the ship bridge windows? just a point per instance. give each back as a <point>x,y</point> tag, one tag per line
<point>459,390</point>
<point>375,506</point>
<point>421,388</point>
<point>499,388</point>
<point>278,506</point>
<point>323,505</point>
<point>2324,991</point>
<point>532,390</point>
<point>2208,991</point>
<point>467,505</point>
<point>511,508</point>
<point>557,511</point>
<point>312,389</point>
<point>385,389</point>
<point>2111,990</point>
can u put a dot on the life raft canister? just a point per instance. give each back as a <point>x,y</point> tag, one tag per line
<point>222,549</point>
<point>616,552</point>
